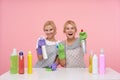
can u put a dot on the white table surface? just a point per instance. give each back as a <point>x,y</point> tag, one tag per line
<point>62,74</point>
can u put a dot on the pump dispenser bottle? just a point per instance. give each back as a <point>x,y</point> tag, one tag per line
<point>101,62</point>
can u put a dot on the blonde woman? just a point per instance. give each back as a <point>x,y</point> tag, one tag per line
<point>74,56</point>
<point>51,49</point>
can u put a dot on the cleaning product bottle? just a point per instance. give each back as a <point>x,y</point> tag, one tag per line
<point>14,62</point>
<point>29,62</point>
<point>101,62</point>
<point>95,64</point>
<point>90,62</point>
<point>83,36</point>
<point>21,63</point>
<point>43,46</point>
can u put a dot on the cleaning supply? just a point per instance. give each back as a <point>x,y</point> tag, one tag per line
<point>29,62</point>
<point>83,37</point>
<point>90,62</point>
<point>61,51</point>
<point>95,64</point>
<point>21,63</point>
<point>42,44</point>
<point>101,62</point>
<point>14,62</point>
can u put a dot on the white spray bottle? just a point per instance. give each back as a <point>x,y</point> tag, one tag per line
<point>95,64</point>
<point>83,37</point>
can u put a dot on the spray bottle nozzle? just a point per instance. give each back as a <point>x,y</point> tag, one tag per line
<point>81,30</point>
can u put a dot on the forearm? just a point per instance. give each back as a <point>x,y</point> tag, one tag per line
<point>62,62</point>
<point>40,57</point>
<point>39,54</point>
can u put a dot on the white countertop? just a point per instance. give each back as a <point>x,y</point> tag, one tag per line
<point>62,74</point>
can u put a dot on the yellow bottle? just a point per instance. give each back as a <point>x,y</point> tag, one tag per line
<point>29,62</point>
<point>90,62</point>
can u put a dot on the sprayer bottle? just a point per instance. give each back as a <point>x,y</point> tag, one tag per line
<point>43,46</point>
<point>29,62</point>
<point>101,62</point>
<point>90,62</point>
<point>83,36</point>
<point>95,64</point>
<point>14,62</point>
<point>21,63</point>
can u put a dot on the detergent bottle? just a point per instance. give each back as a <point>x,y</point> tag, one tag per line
<point>95,64</point>
<point>101,62</point>
<point>90,62</point>
<point>21,63</point>
<point>29,62</point>
<point>14,62</point>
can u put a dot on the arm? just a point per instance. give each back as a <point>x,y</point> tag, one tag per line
<point>62,62</point>
<point>39,54</point>
<point>40,57</point>
<point>61,55</point>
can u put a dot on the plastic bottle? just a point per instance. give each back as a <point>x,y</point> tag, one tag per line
<point>95,64</point>
<point>90,62</point>
<point>83,36</point>
<point>29,62</point>
<point>14,62</point>
<point>43,46</point>
<point>101,62</point>
<point>21,63</point>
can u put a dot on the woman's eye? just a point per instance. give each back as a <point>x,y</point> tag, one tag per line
<point>67,28</point>
<point>46,30</point>
<point>51,29</point>
<point>72,28</point>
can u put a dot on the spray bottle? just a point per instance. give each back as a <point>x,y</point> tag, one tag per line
<point>101,62</point>
<point>21,63</point>
<point>14,62</point>
<point>29,62</point>
<point>43,46</point>
<point>83,36</point>
<point>90,62</point>
<point>95,64</point>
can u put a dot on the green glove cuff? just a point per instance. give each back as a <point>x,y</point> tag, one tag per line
<point>62,55</point>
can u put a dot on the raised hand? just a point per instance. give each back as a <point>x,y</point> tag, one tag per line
<point>82,35</point>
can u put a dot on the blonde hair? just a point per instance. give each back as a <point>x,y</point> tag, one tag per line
<point>70,22</point>
<point>50,22</point>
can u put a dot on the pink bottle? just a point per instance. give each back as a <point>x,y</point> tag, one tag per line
<point>101,62</point>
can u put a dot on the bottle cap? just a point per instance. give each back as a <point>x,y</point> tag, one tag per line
<point>81,30</point>
<point>29,52</point>
<point>20,53</point>
<point>101,50</point>
<point>14,51</point>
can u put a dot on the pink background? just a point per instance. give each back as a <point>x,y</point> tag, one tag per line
<point>21,24</point>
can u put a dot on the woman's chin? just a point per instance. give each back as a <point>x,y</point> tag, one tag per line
<point>70,37</point>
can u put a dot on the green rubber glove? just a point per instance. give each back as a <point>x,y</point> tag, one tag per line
<point>82,35</point>
<point>61,51</point>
